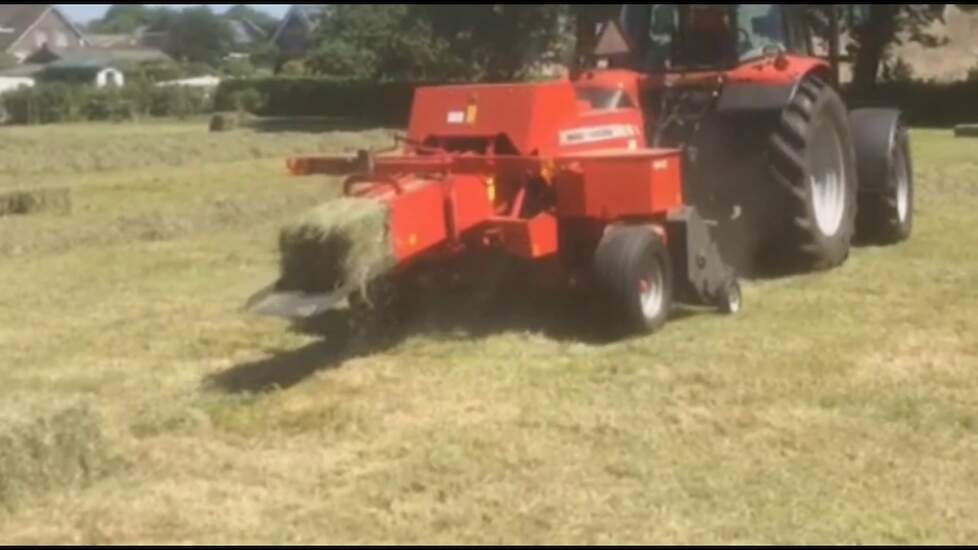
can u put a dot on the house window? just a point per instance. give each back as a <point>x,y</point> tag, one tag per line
<point>61,39</point>
<point>40,39</point>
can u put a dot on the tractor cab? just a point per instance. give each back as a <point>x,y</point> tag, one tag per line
<point>669,38</point>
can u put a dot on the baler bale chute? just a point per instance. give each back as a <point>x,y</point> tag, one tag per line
<point>630,179</point>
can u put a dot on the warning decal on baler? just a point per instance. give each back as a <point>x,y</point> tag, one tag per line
<point>597,134</point>
<point>456,117</point>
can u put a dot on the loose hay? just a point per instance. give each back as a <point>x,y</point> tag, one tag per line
<point>966,130</point>
<point>25,203</point>
<point>47,448</point>
<point>340,246</point>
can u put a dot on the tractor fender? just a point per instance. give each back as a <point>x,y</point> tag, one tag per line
<point>760,97</point>
<point>750,97</point>
<point>874,133</point>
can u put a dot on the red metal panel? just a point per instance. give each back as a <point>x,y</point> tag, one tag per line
<point>786,71</point>
<point>529,114</point>
<point>616,185</point>
<point>601,130</point>
<point>470,203</point>
<point>417,220</point>
<point>532,239</point>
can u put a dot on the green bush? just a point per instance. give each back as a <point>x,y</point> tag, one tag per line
<point>108,105</point>
<point>50,103</point>
<point>370,102</point>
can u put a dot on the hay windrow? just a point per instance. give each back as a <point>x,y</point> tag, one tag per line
<point>25,203</point>
<point>49,447</point>
<point>340,245</point>
<point>966,130</point>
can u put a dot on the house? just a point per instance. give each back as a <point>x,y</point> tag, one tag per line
<point>293,37</point>
<point>112,40</point>
<point>98,66</point>
<point>26,27</point>
<point>121,58</point>
<point>245,35</point>
<point>98,74</point>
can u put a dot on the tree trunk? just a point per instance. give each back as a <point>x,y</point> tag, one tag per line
<point>875,36</point>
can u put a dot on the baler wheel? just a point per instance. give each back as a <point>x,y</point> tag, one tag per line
<point>812,158</point>
<point>633,269</point>
<point>730,300</point>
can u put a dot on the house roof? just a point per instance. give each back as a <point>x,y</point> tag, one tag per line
<point>17,19</point>
<point>245,32</point>
<point>307,14</point>
<point>23,70</point>
<point>99,57</point>
<point>111,40</point>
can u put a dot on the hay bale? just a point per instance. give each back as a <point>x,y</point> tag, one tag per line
<point>29,202</point>
<point>48,447</point>
<point>340,246</point>
<point>966,130</point>
<point>223,122</point>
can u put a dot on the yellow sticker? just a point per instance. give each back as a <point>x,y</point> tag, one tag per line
<point>473,114</point>
<point>413,241</point>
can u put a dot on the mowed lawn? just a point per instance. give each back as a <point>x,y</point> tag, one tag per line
<point>838,408</point>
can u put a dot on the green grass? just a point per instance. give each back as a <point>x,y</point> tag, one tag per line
<point>839,408</point>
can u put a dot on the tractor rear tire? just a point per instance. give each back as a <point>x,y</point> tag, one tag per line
<point>886,213</point>
<point>811,158</point>
<point>634,271</point>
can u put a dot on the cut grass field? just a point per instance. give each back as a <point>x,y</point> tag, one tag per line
<point>838,408</point>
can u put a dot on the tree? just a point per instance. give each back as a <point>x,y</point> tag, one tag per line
<point>127,18</point>
<point>374,41</point>
<point>198,35</point>
<point>445,41</point>
<point>879,29</point>
<point>266,55</point>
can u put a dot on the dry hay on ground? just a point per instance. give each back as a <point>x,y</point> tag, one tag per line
<point>25,203</point>
<point>48,447</point>
<point>342,244</point>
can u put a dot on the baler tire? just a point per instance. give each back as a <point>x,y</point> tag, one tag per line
<point>731,299</point>
<point>882,219</point>
<point>634,271</point>
<point>817,235</point>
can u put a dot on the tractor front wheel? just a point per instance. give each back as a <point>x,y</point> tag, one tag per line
<point>633,269</point>
<point>886,201</point>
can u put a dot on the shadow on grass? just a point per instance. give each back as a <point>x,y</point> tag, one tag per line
<point>456,315</point>
<point>282,371</point>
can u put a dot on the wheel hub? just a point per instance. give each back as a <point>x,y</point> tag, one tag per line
<point>902,178</point>
<point>651,294</point>
<point>828,180</point>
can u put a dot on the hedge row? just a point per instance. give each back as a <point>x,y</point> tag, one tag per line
<point>390,103</point>
<point>368,102</point>
<point>927,104</point>
<point>372,103</point>
<point>50,103</point>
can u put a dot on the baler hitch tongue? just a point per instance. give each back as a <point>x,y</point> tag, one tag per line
<point>295,305</point>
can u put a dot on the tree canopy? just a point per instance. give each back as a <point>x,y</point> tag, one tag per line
<point>447,41</point>
<point>199,35</point>
<point>127,18</point>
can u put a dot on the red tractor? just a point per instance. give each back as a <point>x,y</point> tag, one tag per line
<point>703,141</point>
